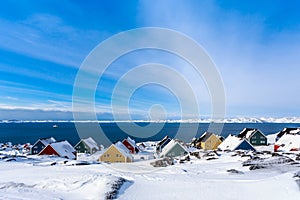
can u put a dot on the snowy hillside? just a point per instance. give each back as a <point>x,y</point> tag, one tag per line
<point>226,176</point>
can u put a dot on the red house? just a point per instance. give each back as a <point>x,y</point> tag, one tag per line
<point>130,144</point>
<point>63,149</point>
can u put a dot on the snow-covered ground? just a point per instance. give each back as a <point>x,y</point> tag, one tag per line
<point>36,177</point>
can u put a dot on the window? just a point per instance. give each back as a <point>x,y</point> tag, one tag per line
<point>262,141</point>
<point>262,137</point>
<point>254,141</point>
<point>117,155</point>
<point>254,137</point>
<point>107,155</point>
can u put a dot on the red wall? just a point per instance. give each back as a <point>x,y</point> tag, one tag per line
<point>48,151</point>
<point>128,145</point>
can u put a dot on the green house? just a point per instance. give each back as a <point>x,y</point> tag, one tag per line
<point>87,145</point>
<point>254,136</point>
<point>173,149</point>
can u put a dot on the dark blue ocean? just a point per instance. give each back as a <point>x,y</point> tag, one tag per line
<point>20,133</point>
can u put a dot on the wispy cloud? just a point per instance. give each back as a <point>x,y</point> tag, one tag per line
<point>10,98</point>
<point>47,37</point>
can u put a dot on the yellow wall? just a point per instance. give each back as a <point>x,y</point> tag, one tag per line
<point>112,154</point>
<point>211,143</point>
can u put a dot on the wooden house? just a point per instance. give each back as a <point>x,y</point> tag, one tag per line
<point>288,142</point>
<point>130,144</point>
<point>117,152</point>
<point>287,131</point>
<point>62,149</point>
<point>39,145</point>
<point>174,149</point>
<point>208,141</point>
<point>233,143</point>
<point>87,145</point>
<point>161,144</point>
<point>254,136</point>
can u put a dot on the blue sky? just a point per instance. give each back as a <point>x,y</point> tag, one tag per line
<point>254,44</point>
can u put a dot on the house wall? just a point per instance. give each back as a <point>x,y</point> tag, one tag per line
<point>258,139</point>
<point>211,143</point>
<point>37,148</point>
<point>82,148</point>
<point>177,150</point>
<point>245,146</point>
<point>128,145</point>
<point>113,155</point>
<point>48,151</point>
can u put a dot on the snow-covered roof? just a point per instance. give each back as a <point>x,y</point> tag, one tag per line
<point>91,143</point>
<point>47,141</point>
<point>64,149</point>
<point>163,140</point>
<point>131,142</point>
<point>205,136</point>
<point>288,142</point>
<point>247,132</point>
<point>170,145</point>
<point>230,143</point>
<point>288,131</point>
<point>123,149</point>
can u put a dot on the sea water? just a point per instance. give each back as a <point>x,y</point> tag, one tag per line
<point>30,132</point>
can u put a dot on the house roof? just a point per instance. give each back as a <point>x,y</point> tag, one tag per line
<point>247,132</point>
<point>163,140</point>
<point>204,137</point>
<point>91,143</point>
<point>231,143</point>
<point>170,145</point>
<point>291,131</point>
<point>288,142</point>
<point>122,149</point>
<point>131,142</point>
<point>64,149</point>
<point>46,141</point>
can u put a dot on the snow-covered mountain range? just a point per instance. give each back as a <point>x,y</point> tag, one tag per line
<point>201,120</point>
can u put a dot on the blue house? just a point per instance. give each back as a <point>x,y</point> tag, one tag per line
<point>233,143</point>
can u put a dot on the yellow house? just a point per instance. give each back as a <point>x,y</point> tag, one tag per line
<point>116,153</point>
<point>208,141</point>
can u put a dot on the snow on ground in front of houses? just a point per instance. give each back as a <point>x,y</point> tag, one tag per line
<point>35,178</point>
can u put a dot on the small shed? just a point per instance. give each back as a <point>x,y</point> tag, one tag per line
<point>87,145</point>
<point>174,149</point>
<point>39,145</point>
